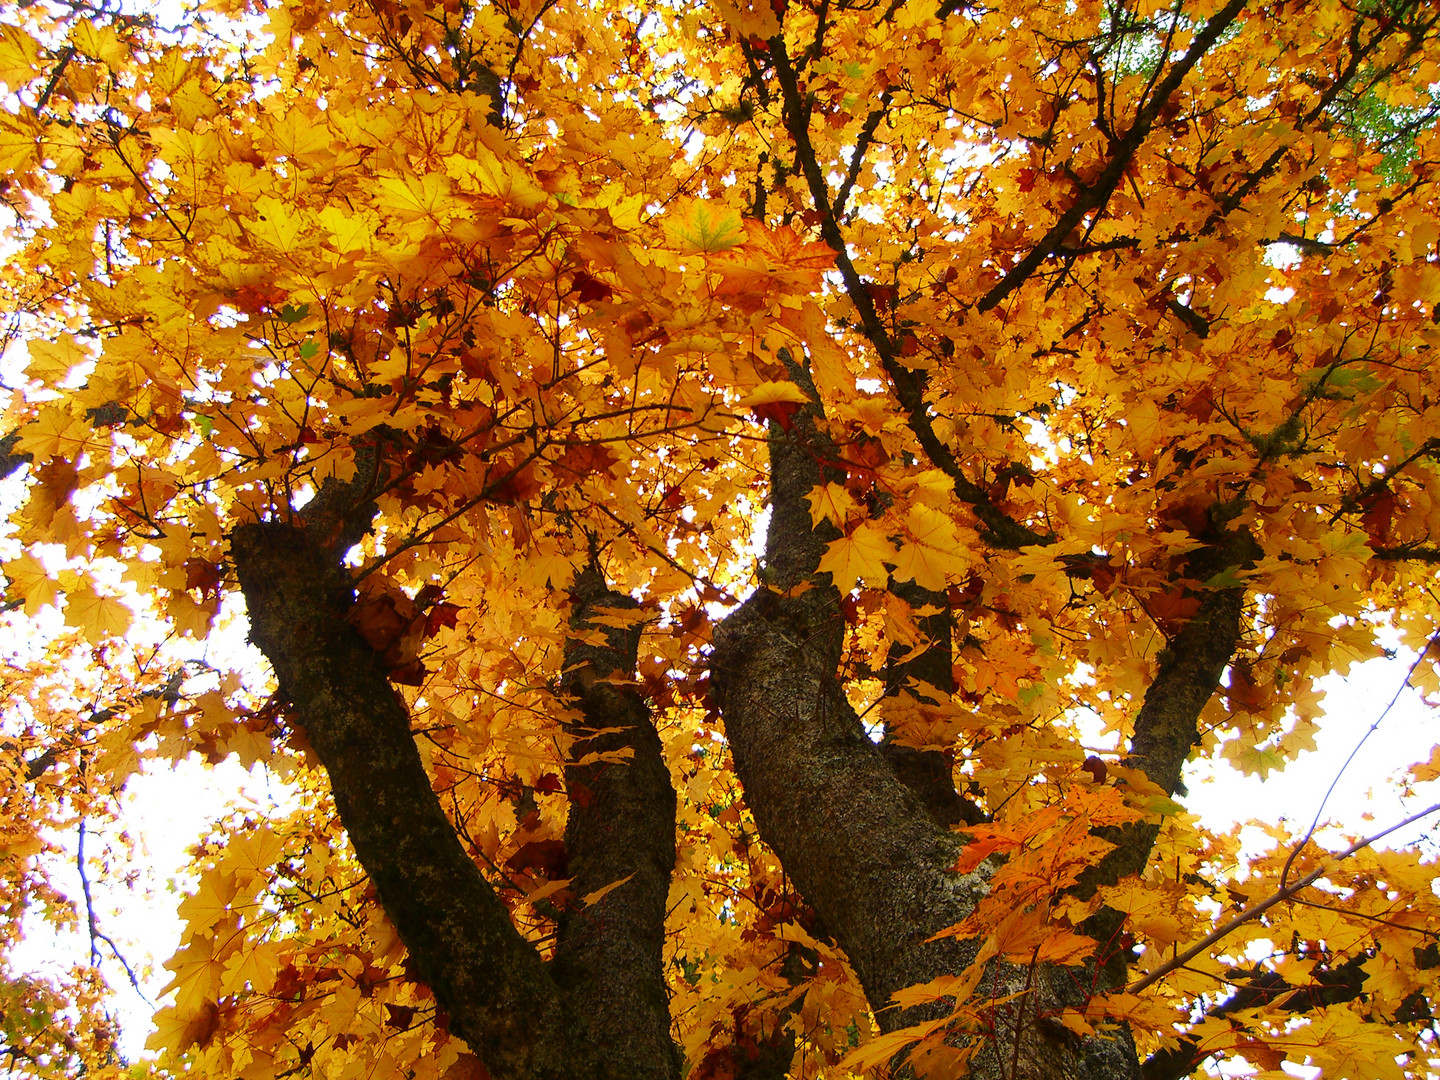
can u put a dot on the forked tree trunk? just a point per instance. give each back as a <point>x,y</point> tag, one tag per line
<point>868,846</point>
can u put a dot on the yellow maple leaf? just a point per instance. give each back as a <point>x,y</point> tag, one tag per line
<point>704,225</point>
<point>859,557</point>
<point>832,502</point>
<point>210,903</point>
<point>95,614</point>
<point>276,225</point>
<point>55,433</point>
<point>254,854</point>
<point>931,551</point>
<point>99,41</point>
<point>483,172</point>
<point>29,579</point>
<point>592,898</point>
<point>19,57</point>
<point>410,198</point>
<point>1419,772</point>
<point>770,393</point>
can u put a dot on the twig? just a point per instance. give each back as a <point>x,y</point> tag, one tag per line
<point>96,934</point>
<point>1256,910</point>
<point>65,58</point>
<point>1285,873</point>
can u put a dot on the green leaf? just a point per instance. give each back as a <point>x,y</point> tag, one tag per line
<point>704,225</point>
<point>1229,578</point>
<point>1342,382</point>
<point>292,314</point>
<point>309,349</point>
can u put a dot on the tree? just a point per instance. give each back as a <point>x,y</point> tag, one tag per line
<point>710,483</point>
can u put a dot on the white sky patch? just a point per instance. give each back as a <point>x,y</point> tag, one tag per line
<point>166,807</point>
<point>1366,799</point>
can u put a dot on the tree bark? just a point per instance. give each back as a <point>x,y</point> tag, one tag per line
<point>927,773</point>
<point>862,830</point>
<point>498,992</point>
<point>621,825</point>
<point>859,845</point>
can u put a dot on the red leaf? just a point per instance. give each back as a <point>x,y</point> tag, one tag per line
<point>1379,515</point>
<point>1244,693</point>
<point>378,619</point>
<point>400,1016</point>
<point>411,674</point>
<point>202,574</point>
<point>442,614</point>
<point>589,289</point>
<point>255,298</point>
<point>516,488</point>
<point>1095,767</point>
<point>1172,610</point>
<point>585,459</point>
<point>782,412</point>
<point>882,296</point>
<point>547,856</point>
<point>1103,576</point>
<point>1192,515</point>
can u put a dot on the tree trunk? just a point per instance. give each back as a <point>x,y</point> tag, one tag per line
<point>865,833</point>
<point>600,1011</point>
<point>861,847</point>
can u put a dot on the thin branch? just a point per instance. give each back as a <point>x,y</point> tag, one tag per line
<point>1256,910</point>
<point>65,58</point>
<point>1408,553</point>
<point>1001,529</point>
<point>92,924</point>
<point>1404,685</point>
<point>857,159</point>
<point>1094,198</point>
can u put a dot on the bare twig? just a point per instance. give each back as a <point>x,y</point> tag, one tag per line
<point>1256,910</point>
<point>1285,873</point>
<point>92,924</point>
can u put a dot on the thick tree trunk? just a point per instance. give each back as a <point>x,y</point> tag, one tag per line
<point>599,1012</point>
<point>860,829</point>
<point>492,982</point>
<point>860,846</point>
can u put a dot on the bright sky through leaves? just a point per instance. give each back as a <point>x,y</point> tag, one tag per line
<point>750,513</point>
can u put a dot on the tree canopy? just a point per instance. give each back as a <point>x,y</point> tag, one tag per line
<point>746,508</point>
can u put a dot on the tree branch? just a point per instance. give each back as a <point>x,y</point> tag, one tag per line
<point>859,846</point>
<point>1166,727</point>
<point>1336,985</point>
<point>9,459</point>
<point>910,386</point>
<point>621,826</point>
<point>1408,553</point>
<point>492,982</point>
<point>1095,197</point>
<point>927,773</point>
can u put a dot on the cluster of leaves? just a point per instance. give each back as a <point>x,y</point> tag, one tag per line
<point>528,278</point>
